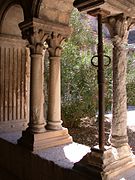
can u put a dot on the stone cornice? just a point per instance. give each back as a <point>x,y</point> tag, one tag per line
<point>86,4</point>
<point>12,39</point>
<point>118,27</point>
<point>114,6</point>
<point>46,26</point>
<point>37,31</point>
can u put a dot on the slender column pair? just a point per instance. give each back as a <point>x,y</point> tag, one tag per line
<point>36,38</point>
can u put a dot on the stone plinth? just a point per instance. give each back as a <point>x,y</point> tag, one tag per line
<point>108,164</point>
<point>44,140</point>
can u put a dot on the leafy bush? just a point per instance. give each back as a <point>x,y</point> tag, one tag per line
<point>79,77</point>
<point>131,79</point>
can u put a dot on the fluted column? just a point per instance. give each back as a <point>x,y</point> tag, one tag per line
<point>119,29</point>
<point>54,94</point>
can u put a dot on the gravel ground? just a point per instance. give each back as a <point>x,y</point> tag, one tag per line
<point>87,133</point>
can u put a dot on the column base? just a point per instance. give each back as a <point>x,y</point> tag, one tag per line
<point>54,125</point>
<point>44,140</point>
<point>108,165</point>
<point>117,141</point>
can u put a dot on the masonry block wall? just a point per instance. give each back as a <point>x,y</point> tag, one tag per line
<point>56,11</point>
<point>14,77</point>
<point>25,165</point>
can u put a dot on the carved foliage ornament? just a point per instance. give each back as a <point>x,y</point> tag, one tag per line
<point>54,42</point>
<point>36,38</point>
<point>119,27</point>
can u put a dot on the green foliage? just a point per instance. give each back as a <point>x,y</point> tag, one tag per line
<point>82,36</point>
<point>108,77</point>
<point>131,79</point>
<point>79,77</point>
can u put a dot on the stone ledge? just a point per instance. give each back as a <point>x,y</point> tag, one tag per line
<point>108,164</point>
<point>52,163</point>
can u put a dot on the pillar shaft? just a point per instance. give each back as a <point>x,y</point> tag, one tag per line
<point>36,38</point>
<point>54,95</point>
<point>119,28</point>
<point>54,99</point>
<point>37,121</point>
<point>119,120</point>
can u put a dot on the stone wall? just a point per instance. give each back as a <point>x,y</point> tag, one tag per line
<point>24,165</point>
<point>14,77</point>
<point>56,11</point>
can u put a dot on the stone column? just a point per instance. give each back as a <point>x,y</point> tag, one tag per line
<point>54,95</point>
<point>36,136</point>
<point>119,28</point>
<point>36,118</point>
<point>36,38</point>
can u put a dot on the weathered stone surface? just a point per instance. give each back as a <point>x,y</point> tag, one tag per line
<point>25,165</point>
<point>109,164</point>
<point>14,79</point>
<point>39,141</point>
<point>11,20</point>
<point>36,32</point>
<point>36,38</point>
<point>119,29</point>
<point>115,7</point>
<point>105,164</point>
<point>54,10</point>
<point>54,95</point>
<point>45,26</point>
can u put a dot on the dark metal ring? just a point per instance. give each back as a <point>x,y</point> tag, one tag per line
<point>108,61</point>
<point>93,62</point>
<point>97,56</point>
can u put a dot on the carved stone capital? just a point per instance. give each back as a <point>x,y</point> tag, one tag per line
<point>38,31</point>
<point>36,38</point>
<point>119,42</point>
<point>118,27</point>
<point>54,44</point>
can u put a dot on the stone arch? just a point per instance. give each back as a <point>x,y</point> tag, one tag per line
<point>36,7</point>
<point>27,8</point>
<point>12,16</point>
<point>14,64</point>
